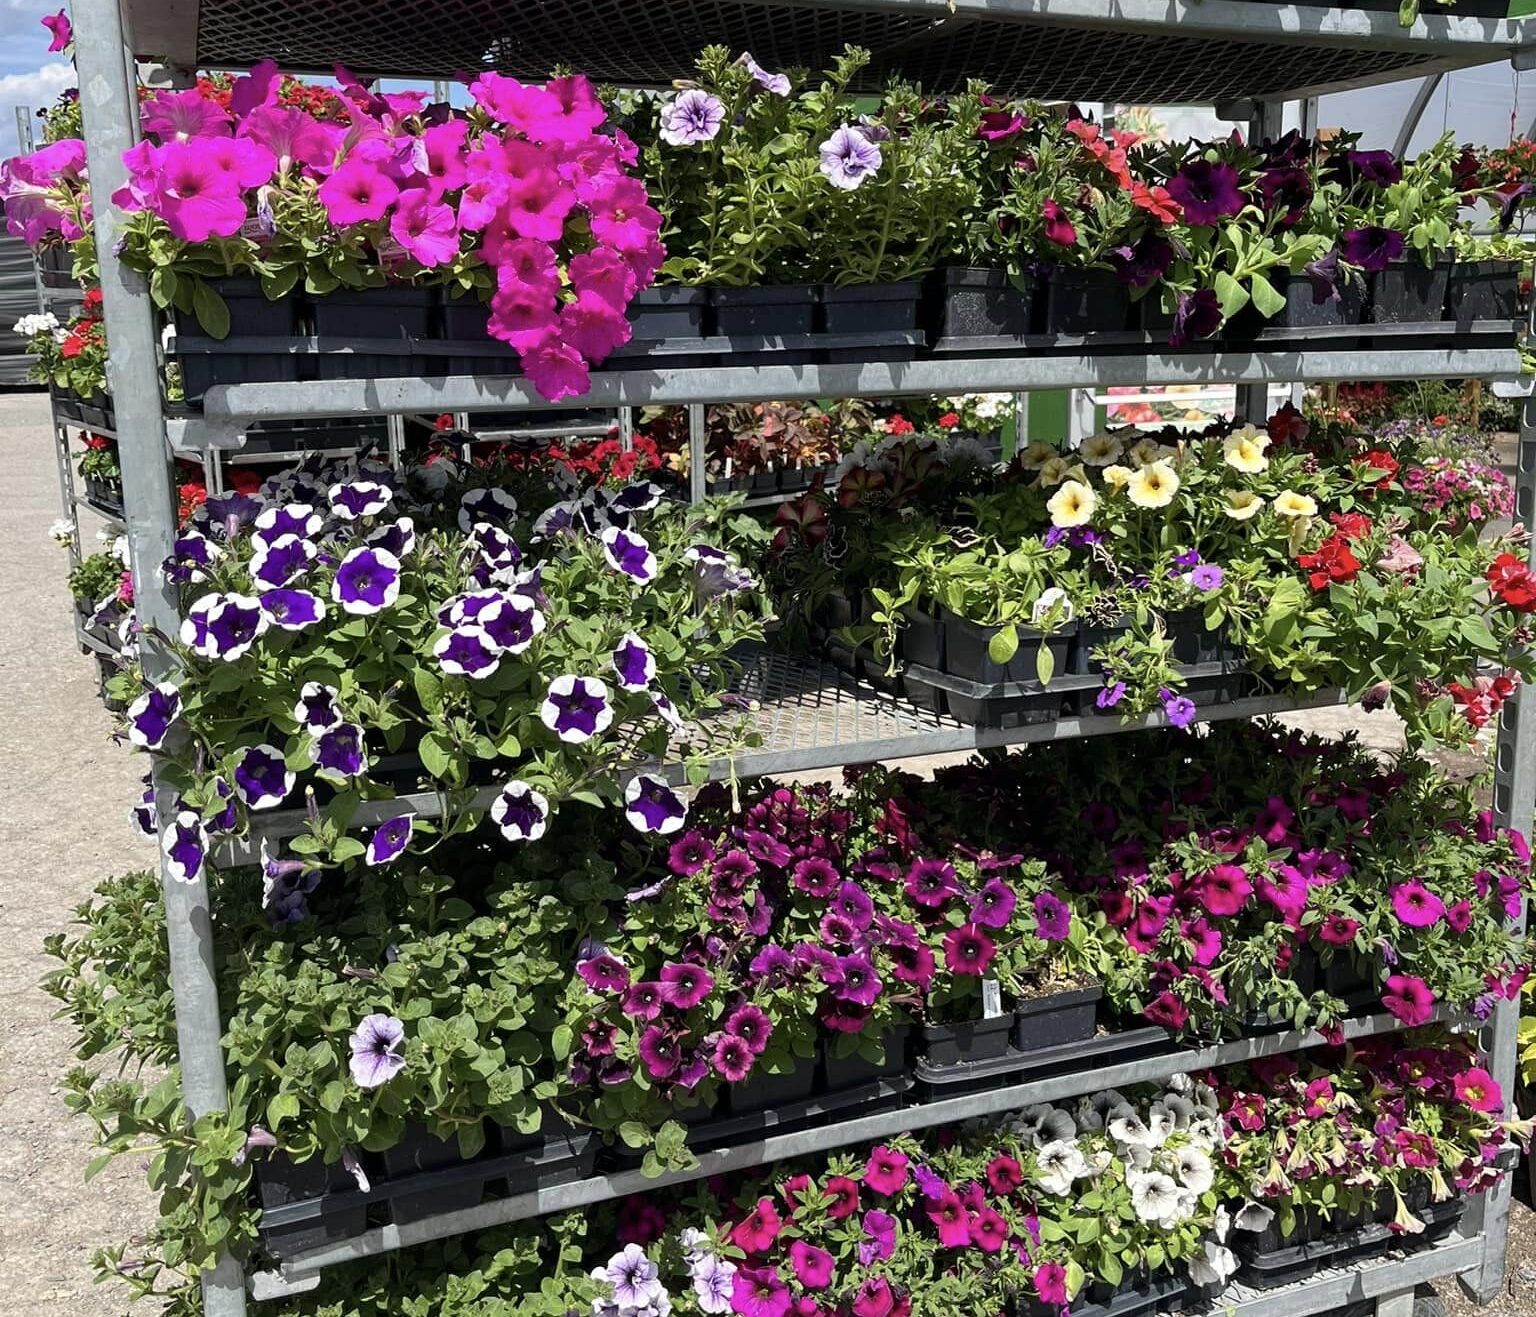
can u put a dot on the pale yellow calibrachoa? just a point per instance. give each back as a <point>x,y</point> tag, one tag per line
<point>1244,450</point>
<point>1101,449</point>
<point>1037,455</point>
<point>1117,477</point>
<point>1243,503</point>
<point>1153,486</point>
<point>1288,503</point>
<point>1072,505</point>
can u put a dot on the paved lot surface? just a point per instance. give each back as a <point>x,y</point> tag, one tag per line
<point>63,826</point>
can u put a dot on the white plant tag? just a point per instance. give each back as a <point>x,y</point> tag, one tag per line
<point>991,999</point>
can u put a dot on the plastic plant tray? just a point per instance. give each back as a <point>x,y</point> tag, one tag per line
<point>1013,1067</point>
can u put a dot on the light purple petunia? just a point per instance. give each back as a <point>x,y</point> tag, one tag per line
<point>692,118</point>
<point>367,581</point>
<point>651,805</point>
<point>634,663</point>
<point>634,1278</point>
<point>262,778</point>
<point>1180,709</point>
<point>389,840</point>
<point>151,716</point>
<point>292,610</point>
<point>467,651</point>
<point>777,83</point>
<point>377,1050</point>
<point>629,553</point>
<point>848,157</point>
<point>576,708</point>
<point>185,846</point>
<point>520,812</point>
<point>1207,576</point>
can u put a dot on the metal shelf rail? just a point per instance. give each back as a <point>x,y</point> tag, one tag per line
<point>1244,55</point>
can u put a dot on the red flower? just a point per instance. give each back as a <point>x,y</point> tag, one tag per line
<point>1383,462</point>
<point>91,301</point>
<point>95,442</point>
<point>899,424</point>
<point>1156,201</point>
<point>1513,583</point>
<point>1352,525</point>
<point>444,421</point>
<point>948,421</point>
<point>1332,564</point>
<point>72,346</point>
<point>1058,228</point>
<point>1287,426</point>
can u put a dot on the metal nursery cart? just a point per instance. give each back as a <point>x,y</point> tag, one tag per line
<point>1245,56</point>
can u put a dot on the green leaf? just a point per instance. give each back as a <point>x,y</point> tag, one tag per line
<point>560,1042</point>
<point>1003,645</point>
<point>1231,294</point>
<point>1476,632</point>
<point>97,1165</point>
<point>211,310</point>
<point>279,283</point>
<point>1266,297</point>
<point>283,1106</point>
<point>162,285</point>
<point>429,689</point>
<point>437,753</point>
<point>634,1134</point>
<point>1045,664</point>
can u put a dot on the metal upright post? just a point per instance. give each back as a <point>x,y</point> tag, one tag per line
<point>109,103</point>
<point>1514,805</point>
<point>698,485</point>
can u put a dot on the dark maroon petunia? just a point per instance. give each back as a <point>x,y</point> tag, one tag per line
<point>1207,192</point>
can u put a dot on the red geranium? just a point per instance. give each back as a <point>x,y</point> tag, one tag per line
<point>899,425</point>
<point>1512,583</point>
<point>1287,426</point>
<point>1332,564</point>
<point>91,301</point>
<point>72,347</point>
<point>948,421</point>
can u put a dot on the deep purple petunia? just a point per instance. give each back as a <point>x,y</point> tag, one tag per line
<point>1143,262</point>
<point>1207,191</point>
<point>276,523</point>
<point>494,547</point>
<point>142,814</point>
<point>1199,316</point>
<point>281,563</point>
<point>557,519</point>
<point>1285,192</point>
<point>226,819</point>
<point>931,883</point>
<point>317,710</point>
<point>468,607</point>
<point>993,905</point>
<point>262,778</point>
<point>651,805</point>
<point>185,846</point>
<point>520,812</point>
<point>639,497</point>
<point>339,753</point>
<point>292,610</point>
<point>576,708</point>
<point>689,854</point>
<point>1053,918</point>
<point>151,716</point>
<point>629,553</point>
<point>192,555</point>
<point>1323,275</point>
<point>851,902</point>
<point>633,662</point>
<point>1378,167</point>
<point>511,623</point>
<point>859,983</point>
<point>816,875</point>
<point>230,511</point>
<point>716,574</point>
<point>377,1046</point>
<point>467,651</point>
<point>389,840</point>
<point>357,499</point>
<point>367,581</point>
<point>1372,248</point>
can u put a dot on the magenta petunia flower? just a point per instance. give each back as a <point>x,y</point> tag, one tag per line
<point>293,137</point>
<point>358,192</point>
<point>180,115</point>
<point>751,1024</point>
<point>555,369</point>
<point>816,875</point>
<point>60,30</point>
<point>427,229</point>
<point>195,197</point>
<point>859,982</point>
<point>643,1000</point>
<point>593,326</point>
<point>1416,906</point>
<point>852,903</point>
<point>603,972</point>
<point>1050,1282</point>
<point>968,950</point>
<point>1223,889</point>
<point>813,1267</point>
<point>660,1052</point>
<point>1338,930</point>
<point>732,1059</point>
<point>684,986</point>
<point>1053,918</point>
<point>1409,998</point>
<point>931,882</point>
<point>886,1171</point>
<point>950,1219</point>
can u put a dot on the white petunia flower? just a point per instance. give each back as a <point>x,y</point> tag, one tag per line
<point>1059,1166</point>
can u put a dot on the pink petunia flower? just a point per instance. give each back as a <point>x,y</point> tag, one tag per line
<point>886,1171</point>
<point>1416,906</point>
<point>603,273</point>
<point>523,315</point>
<point>359,192</point>
<point>180,115</point>
<point>593,326</point>
<point>1409,998</point>
<point>536,201</point>
<point>950,1219</point>
<point>445,146</point>
<point>426,229</point>
<point>294,137</point>
<point>813,1266</point>
<point>556,370</point>
<point>756,1231</point>
<point>1050,1281</point>
<point>196,199</point>
<point>1223,889</point>
<point>1479,1090</point>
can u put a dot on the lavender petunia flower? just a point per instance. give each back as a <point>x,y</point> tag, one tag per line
<point>297,519</point>
<point>389,840</point>
<point>467,651</point>
<point>629,553</point>
<point>1372,248</point>
<point>292,610</point>
<point>1111,695</point>
<point>185,846</point>
<point>262,778</point>
<point>317,710</point>
<point>377,1045</point>
<point>520,812</point>
<point>576,708</point>
<point>367,581</point>
<point>714,1282</point>
<point>634,1278</point>
<point>634,663</point>
<point>398,537</point>
<point>1207,576</point>
<point>151,715</point>
<point>1208,192</point>
<point>848,157</point>
<point>651,805</point>
<point>358,499</point>
<point>281,563</point>
<point>693,117</point>
<point>495,506</point>
<point>777,83</point>
<point>339,753</point>
<point>511,623</point>
<point>1180,709</point>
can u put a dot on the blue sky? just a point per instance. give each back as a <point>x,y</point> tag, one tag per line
<point>29,75</point>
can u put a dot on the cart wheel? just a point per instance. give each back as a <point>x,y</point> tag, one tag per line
<point>1426,1303</point>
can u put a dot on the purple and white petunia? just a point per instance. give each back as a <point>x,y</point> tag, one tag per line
<point>223,626</point>
<point>338,753</point>
<point>151,716</point>
<point>467,651</point>
<point>228,817</point>
<point>367,581</point>
<point>496,548</point>
<point>185,846</point>
<point>557,519</point>
<point>512,623</point>
<point>629,553</point>
<point>641,496</point>
<point>356,499</point>
<point>297,519</point>
<point>848,157</point>
<point>377,1046</point>
<point>262,778</point>
<point>389,840</point>
<point>317,710</point>
<point>468,607</point>
<point>576,708</point>
<point>143,812</point>
<point>693,118</point>
<point>520,812</point>
<point>493,505</point>
<point>667,710</point>
<point>281,562</point>
<point>292,610</point>
<point>398,537</point>
<point>285,885</point>
<point>716,572</point>
<point>192,555</point>
<point>634,663</point>
<point>651,805</point>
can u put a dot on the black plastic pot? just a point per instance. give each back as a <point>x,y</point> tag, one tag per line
<point>1086,302</point>
<point>965,651</point>
<point>417,1152</point>
<point>1343,978</point>
<point>1482,290</point>
<point>464,321</point>
<point>66,405</point>
<point>870,308</point>
<point>1135,1295</point>
<point>771,311</point>
<point>668,313</point>
<point>1192,643</point>
<point>970,1040</point>
<point>1408,293</point>
<point>555,1153</point>
<point>1301,312</point>
<point>206,362</point>
<point>971,303</point>
<point>1092,636</point>
<point>761,1091</point>
<point>306,1204</point>
<point>937,1082</point>
<point>1055,1021</point>
<point>96,413</point>
<point>395,315</point>
<point>104,495</point>
<point>844,1072</point>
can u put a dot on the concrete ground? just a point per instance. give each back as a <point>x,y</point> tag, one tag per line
<point>63,826</point>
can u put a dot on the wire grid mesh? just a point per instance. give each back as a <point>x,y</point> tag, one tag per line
<point>653,44</point>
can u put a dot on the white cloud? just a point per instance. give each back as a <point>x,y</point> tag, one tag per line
<point>35,90</point>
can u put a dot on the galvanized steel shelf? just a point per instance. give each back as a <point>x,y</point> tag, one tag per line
<point>301,1271</point>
